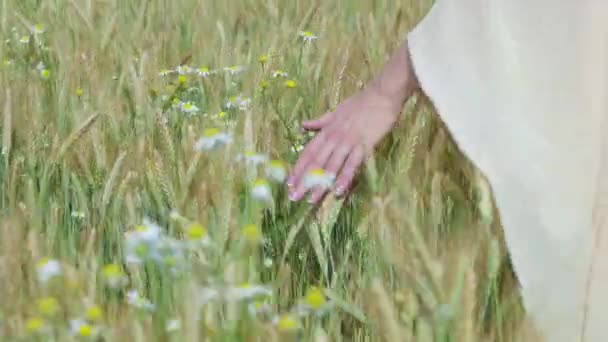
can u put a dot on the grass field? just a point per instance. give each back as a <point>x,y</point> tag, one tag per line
<point>143,147</point>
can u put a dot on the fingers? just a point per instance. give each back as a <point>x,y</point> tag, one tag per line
<point>333,166</point>
<point>317,157</point>
<point>319,123</point>
<point>351,165</point>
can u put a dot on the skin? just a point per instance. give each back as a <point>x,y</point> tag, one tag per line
<point>348,135</point>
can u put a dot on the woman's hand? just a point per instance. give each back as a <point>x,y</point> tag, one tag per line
<point>349,134</point>
<point>345,138</point>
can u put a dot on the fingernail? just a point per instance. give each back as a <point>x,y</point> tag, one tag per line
<point>293,196</point>
<point>340,190</point>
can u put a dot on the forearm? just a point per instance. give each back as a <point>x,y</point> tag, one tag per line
<point>397,80</point>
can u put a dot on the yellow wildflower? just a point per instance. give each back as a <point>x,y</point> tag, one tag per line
<point>290,84</point>
<point>252,233</point>
<point>48,306</point>
<point>315,298</point>
<point>34,324</point>
<point>94,313</point>
<point>287,323</point>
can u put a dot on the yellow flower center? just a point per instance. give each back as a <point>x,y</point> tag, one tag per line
<point>288,323</point>
<point>79,91</point>
<point>317,172</point>
<point>263,84</point>
<point>203,70</point>
<point>277,164</point>
<point>45,73</point>
<point>260,182</point>
<point>263,59</point>
<point>211,132</point>
<point>112,271</point>
<point>182,79</point>
<point>290,84</point>
<point>141,228</point>
<point>196,231</point>
<point>94,313</point>
<point>85,330</point>
<point>43,262</point>
<point>34,324</point>
<point>48,306</point>
<point>252,233</point>
<point>315,298</point>
<point>221,114</point>
<point>187,106</point>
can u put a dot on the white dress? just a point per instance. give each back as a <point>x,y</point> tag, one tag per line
<point>521,85</point>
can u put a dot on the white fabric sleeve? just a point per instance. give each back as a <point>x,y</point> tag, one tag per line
<point>520,84</point>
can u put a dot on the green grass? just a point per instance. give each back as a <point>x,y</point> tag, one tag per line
<point>92,145</point>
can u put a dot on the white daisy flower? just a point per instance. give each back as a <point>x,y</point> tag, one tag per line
<point>297,148</point>
<point>314,302</point>
<point>165,72</point>
<point>242,103</point>
<point>37,29</point>
<point>24,39</point>
<point>276,171</point>
<point>173,325</point>
<point>77,214</point>
<point>204,72</point>
<point>134,299</point>
<point>196,235</point>
<point>308,36</point>
<point>254,159</point>
<point>183,70</point>
<point>81,328</point>
<point>247,291</point>
<point>48,269</point>
<point>268,262</point>
<point>142,243</point>
<point>188,108</point>
<point>318,178</point>
<point>261,191</point>
<point>279,73</point>
<point>212,138</point>
<point>234,70</point>
<point>114,276</point>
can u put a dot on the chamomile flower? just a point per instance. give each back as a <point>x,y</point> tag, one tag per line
<point>114,276</point>
<point>183,70</point>
<point>252,234</point>
<point>188,108</point>
<point>212,138</point>
<point>196,234</point>
<point>247,291</point>
<point>173,325</point>
<point>45,74</point>
<point>81,328</point>
<point>308,36</point>
<point>79,91</point>
<point>203,72</point>
<point>136,300</point>
<point>291,84</point>
<point>48,269</point>
<point>142,242</point>
<point>78,214</point>
<point>48,306</point>
<point>287,323</point>
<point>318,178</point>
<point>94,313</point>
<point>253,158</point>
<point>35,325</point>
<point>24,40</point>
<point>234,70</point>
<point>165,72</point>
<point>242,103</point>
<point>37,29</point>
<point>279,73</point>
<point>297,148</point>
<point>276,171</point>
<point>314,302</point>
<point>261,191</point>
<point>263,59</point>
